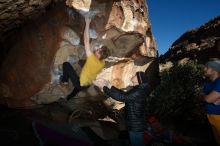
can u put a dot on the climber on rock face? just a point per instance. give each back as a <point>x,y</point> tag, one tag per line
<point>93,65</point>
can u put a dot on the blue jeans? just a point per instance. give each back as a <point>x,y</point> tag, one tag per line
<point>136,138</point>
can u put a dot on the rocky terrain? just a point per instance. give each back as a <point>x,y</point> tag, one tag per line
<point>201,43</point>
<point>37,36</point>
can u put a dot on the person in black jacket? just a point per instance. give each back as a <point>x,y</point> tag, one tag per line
<point>135,101</point>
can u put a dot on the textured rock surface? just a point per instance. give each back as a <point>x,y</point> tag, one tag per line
<point>13,13</point>
<point>33,55</point>
<point>201,43</point>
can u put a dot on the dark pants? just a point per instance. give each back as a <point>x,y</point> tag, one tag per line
<point>70,73</point>
<point>136,138</point>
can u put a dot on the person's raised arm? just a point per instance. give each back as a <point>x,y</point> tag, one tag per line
<point>86,37</point>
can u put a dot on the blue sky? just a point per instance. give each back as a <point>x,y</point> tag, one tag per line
<point>171,18</point>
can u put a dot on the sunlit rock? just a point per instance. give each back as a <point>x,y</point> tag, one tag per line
<point>83,5</point>
<point>200,44</point>
<point>38,54</point>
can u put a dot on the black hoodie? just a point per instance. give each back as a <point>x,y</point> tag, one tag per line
<point>135,101</point>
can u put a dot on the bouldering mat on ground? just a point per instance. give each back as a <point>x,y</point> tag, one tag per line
<point>66,135</point>
<point>57,134</point>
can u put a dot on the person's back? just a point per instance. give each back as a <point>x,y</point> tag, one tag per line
<point>136,108</point>
<point>135,101</point>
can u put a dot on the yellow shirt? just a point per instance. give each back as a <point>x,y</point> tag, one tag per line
<point>90,70</point>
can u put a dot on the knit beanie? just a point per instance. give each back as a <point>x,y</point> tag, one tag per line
<point>142,78</point>
<point>214,65</point>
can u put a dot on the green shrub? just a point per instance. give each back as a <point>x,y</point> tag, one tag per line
<point>176,96</point>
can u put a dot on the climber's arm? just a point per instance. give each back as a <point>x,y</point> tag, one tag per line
<point>86,37</point>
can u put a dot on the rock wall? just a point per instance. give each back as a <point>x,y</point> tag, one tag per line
<point>27,64</point>
<point>13,13</point>
<point>31,66</point>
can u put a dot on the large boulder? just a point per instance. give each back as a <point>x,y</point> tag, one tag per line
<point>16,13</point>
<point>32,60</point>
